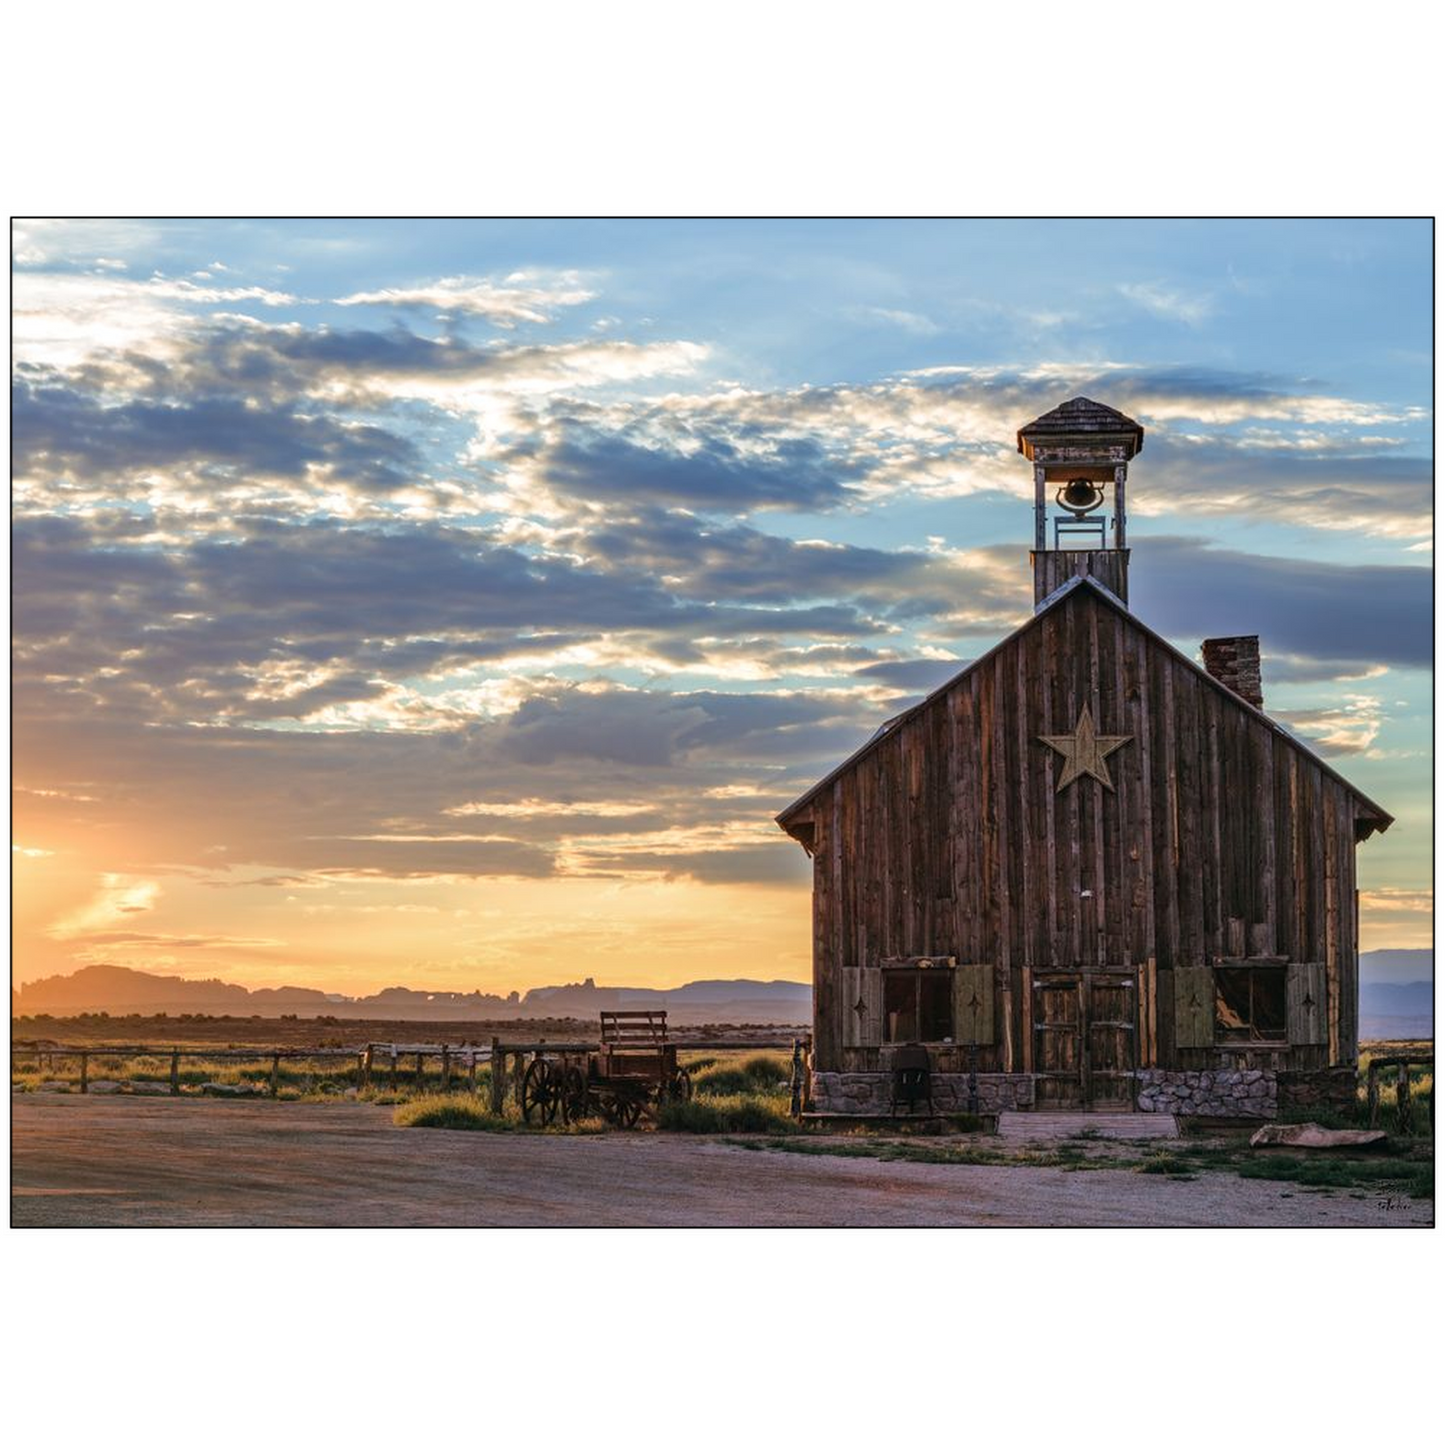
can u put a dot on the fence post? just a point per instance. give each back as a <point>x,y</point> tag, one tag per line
<point>420,1070</point>
<point>499,1064</point>
<point>366,1066</point>
<point>446,1070</point>
<point>275,1074</point>
<point>175,1071</point>
<point>795,1099</point>
<point>84,1073</point>
<point>393,1068</point>
<point>519,1063</point>
<point>1372,1093</point>
<point>472,1071</point>
<point>1402,1096</point>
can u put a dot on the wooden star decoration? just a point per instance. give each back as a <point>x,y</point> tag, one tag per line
<point>1084,751</point>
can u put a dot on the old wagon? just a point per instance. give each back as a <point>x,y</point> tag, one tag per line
<point>632,1071</point>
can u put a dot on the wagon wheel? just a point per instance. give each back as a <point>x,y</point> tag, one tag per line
<point>621,1109</point>
<point>539,1092</point>
<point>680,1086</point>
<point>573,1094</point>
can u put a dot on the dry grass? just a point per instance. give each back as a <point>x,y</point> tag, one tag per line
<point>463,1112</point>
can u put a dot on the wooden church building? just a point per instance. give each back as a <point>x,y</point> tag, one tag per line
<point>1088,872</point>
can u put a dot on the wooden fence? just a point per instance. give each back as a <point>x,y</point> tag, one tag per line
<point>372,1057</point>
<point>46,1054</point>
<point>1404,1103</point>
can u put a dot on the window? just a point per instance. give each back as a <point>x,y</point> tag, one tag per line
<point>918,1005</point>
<point>1249,1004</point>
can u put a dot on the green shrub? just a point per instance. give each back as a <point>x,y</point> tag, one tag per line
<point>744,1074</point>
<point>444,1113</point>
<point>727,1114</point>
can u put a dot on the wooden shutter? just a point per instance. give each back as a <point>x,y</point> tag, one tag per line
<point>1306,1003</point>
<point>862,1007</point>
<point>1193,1008</point>
<point>973,1003</point>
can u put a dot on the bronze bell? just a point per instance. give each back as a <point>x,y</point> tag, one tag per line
<point>1080,496</point>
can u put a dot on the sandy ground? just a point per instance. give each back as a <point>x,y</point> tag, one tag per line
<point>120,1160</point>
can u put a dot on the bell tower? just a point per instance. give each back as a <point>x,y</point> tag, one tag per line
<point>1081,452</point>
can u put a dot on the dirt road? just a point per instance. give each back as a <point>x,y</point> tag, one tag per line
<point>135,1161</point>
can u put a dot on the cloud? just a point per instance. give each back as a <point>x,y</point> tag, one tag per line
<point>1338,731</point>
<point>179,940</point>
<point>66,317</point>
<point>529,808</point>
<point>909,321</point>
<point>119,898</point>
<point>949,433</point>
<point>713,476</point>
<point>649,730</point>
<point>1399,900</point>
<point>523,296</point>
<point>763,864</point>
<point>1166,302</point>
<point>364,367</point>
<point>215,441</point>
<point>1284,668</point>
<point>1303,608</point>
<point>919,675</point>
<point>1336,488</point>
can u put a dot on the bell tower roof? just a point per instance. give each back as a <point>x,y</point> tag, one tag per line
<point>1082,420</point>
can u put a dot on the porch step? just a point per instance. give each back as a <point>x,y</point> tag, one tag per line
<point>1018,1126</point>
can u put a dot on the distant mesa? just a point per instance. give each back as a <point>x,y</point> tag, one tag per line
<point>1396,998</point>
<point>109,988</point>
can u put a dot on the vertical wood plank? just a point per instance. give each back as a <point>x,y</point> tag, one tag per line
<point>1027,1003</point>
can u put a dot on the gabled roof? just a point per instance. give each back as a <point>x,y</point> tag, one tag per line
<point>1079,418</point>
<point>1381,819</point>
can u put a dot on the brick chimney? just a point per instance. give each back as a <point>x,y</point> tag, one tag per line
<point>1234,661</point>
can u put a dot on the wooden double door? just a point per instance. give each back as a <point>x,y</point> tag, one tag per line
<point>1083,1023</point>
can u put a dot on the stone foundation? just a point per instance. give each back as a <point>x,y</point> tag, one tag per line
<point>1215,1093</point>
<point>1330,1090</point>
<point>849,1093</point>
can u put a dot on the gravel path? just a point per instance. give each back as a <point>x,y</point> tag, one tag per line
<point>140,1161</point>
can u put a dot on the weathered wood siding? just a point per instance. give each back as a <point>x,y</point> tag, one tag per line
<point>1220,840</point>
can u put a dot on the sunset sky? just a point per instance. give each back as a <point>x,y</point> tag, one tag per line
<point>454,604</point>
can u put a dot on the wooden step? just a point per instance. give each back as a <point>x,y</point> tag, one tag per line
<point>1019,1126</point>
